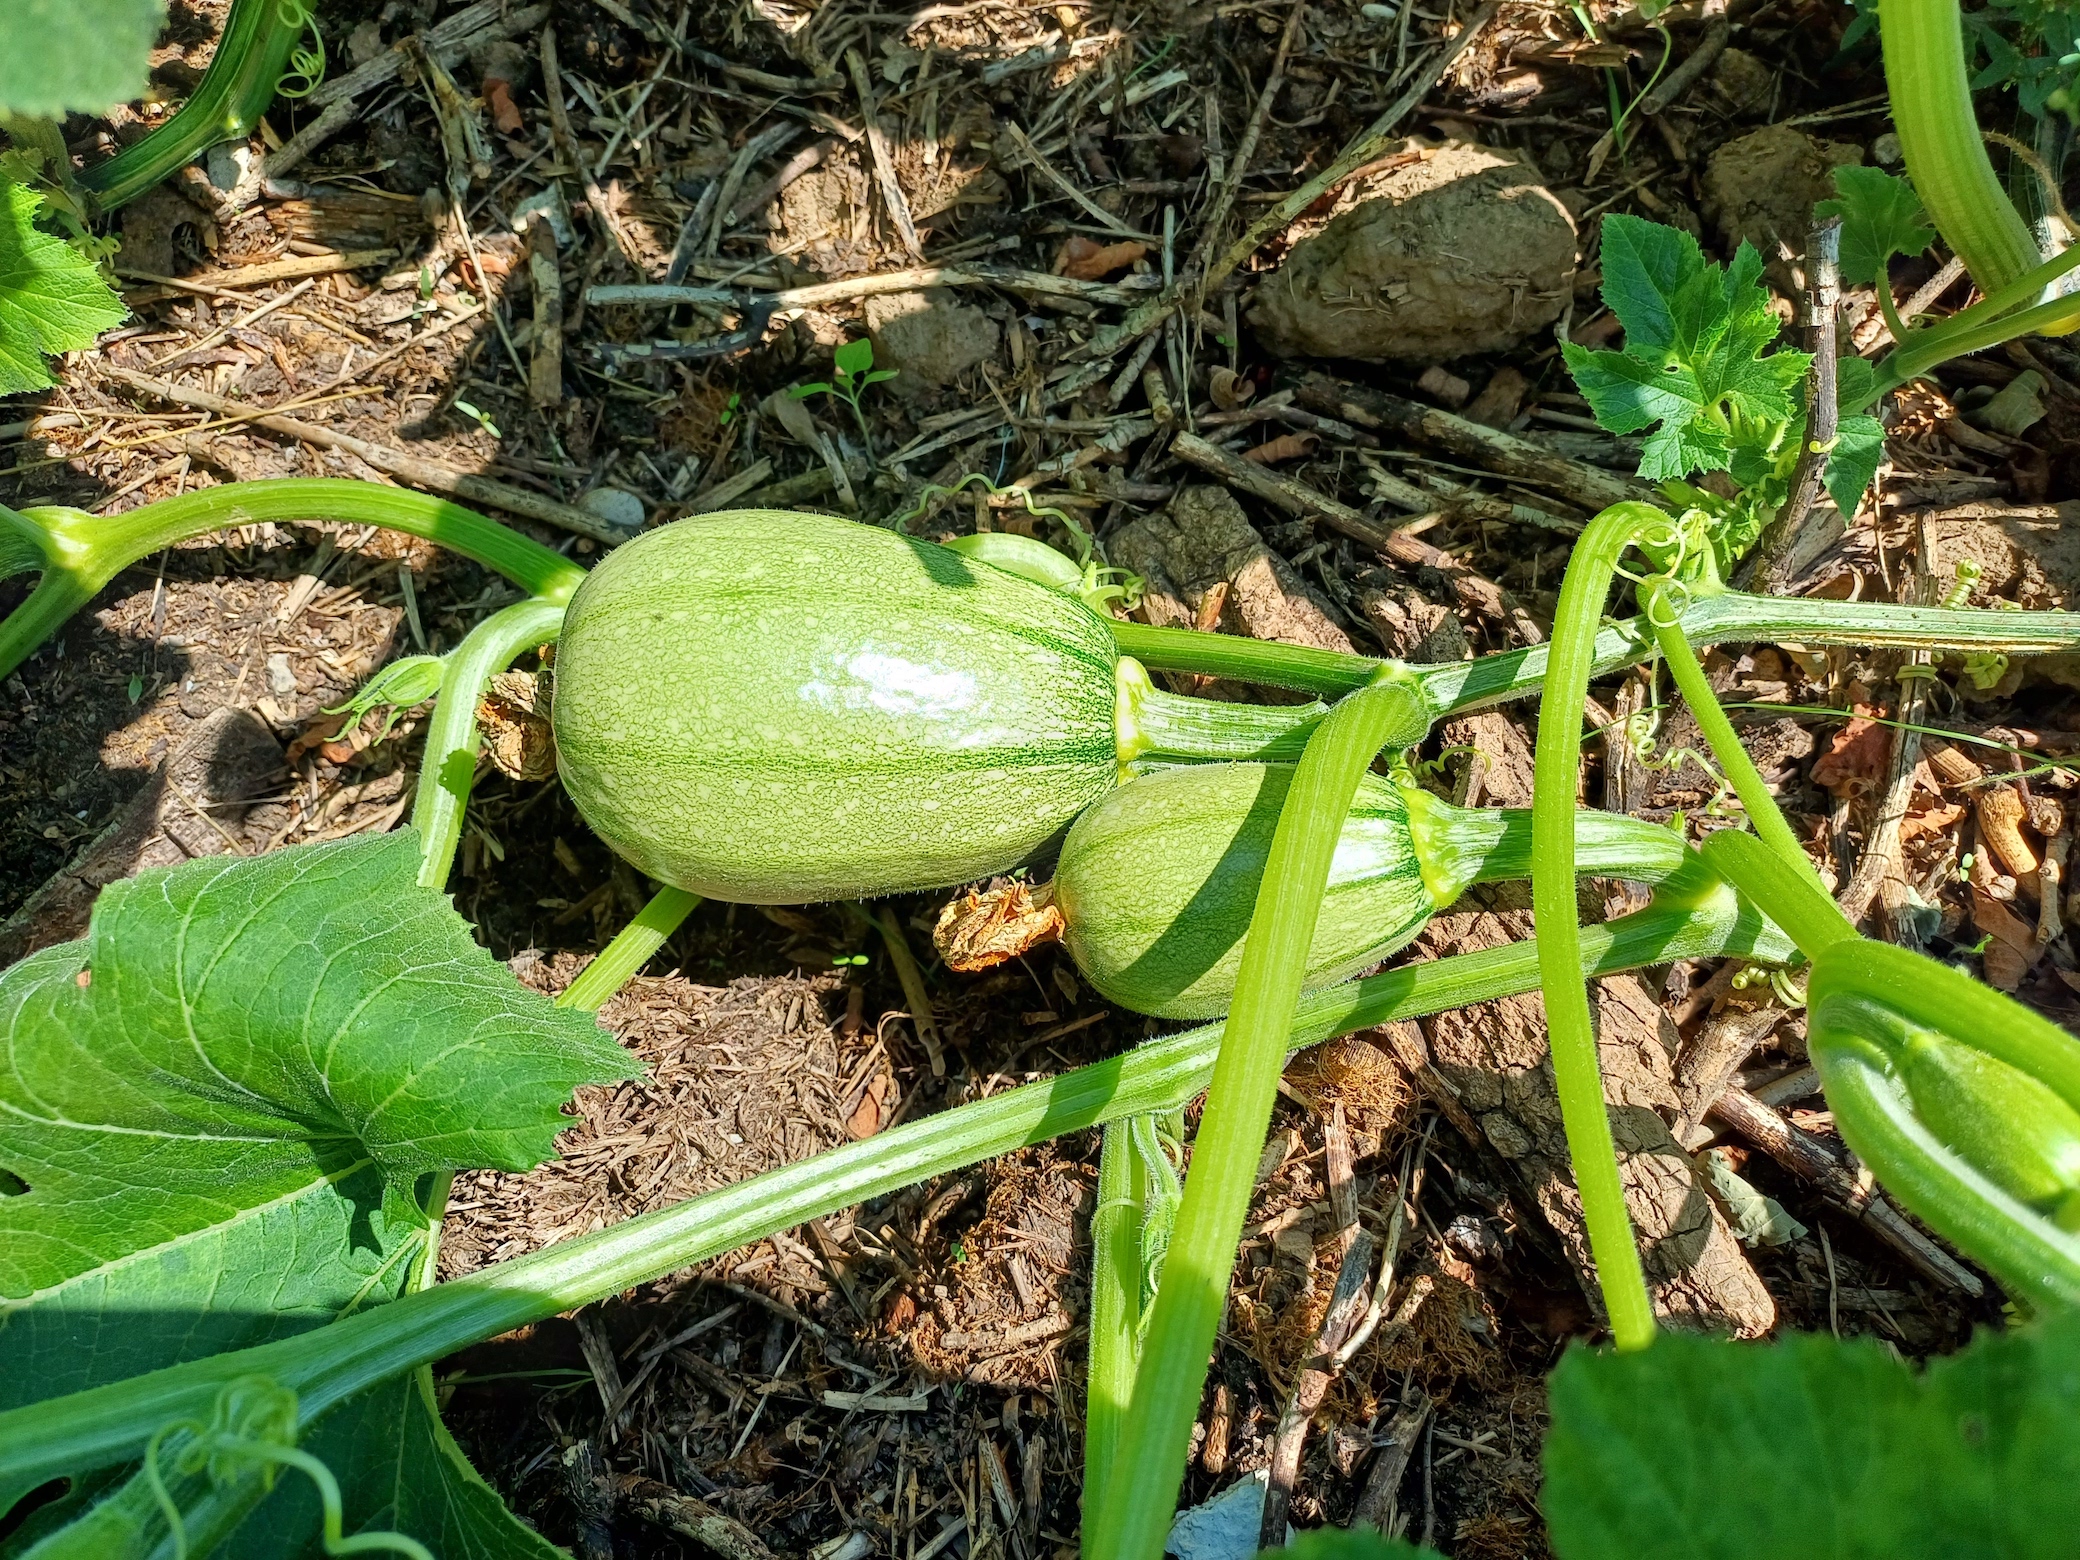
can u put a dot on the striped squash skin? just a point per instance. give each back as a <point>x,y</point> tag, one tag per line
<point>1158,881</point>
<point>778,708</point>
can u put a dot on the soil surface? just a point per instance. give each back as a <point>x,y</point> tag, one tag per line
<point>995,194</point>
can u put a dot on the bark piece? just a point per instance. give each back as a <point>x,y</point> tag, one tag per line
<point>1203,540</point>
<point>1495,1057</point>
<point>192,806</point>
<point>1500,766</point>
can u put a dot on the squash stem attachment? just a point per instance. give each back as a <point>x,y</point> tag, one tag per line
<point>449,767</point>
<point>1577,1075</point>
<point>1141,1492</point>
<point>78,553</point>
<point>630,950</point>
<point>106,1425</point>
<point>1152,726</point>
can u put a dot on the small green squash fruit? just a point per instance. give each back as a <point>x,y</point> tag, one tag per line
<point>779,708</point>
<point>1157,884</point>
<point>1158,881</point>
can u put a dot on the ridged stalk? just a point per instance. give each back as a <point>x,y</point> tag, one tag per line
<point>449,766</point>
<point>632,948</point>
<point>1939,135</point>
<point>1115,1346</point>
<point>235,90</point>
<point>1577,1073</point>
<point>110,1424</point>
<point>78,553</point>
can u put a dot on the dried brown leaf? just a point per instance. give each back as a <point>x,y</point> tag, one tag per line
<point>1085,260</point>
<point>1287,446</point>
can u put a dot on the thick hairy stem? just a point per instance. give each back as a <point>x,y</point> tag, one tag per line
<point>1115,1346</point>
<point>1706,620</point>
<point>110,1424</point>
<point>1577,1075</point>
<point>632,948</point>
<point>1158,727</point>
<point>1939,135</point>
<point>79,553</point>
<point>258,38</point>
<point>452,739</point>
<point>1143,1485</point>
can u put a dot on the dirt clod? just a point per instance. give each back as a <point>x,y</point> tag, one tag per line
<point>929,338</point>
<point>1761,189</point>
<point>1461,249</point>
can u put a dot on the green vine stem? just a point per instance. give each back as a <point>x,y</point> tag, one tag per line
<point>1158,727</point>
<point>110,1424</point>
<point>1115,1346</point>
<point>235,90</point>
<point>1706,620</point>
<point>449,766</point>
<point>632,948</point>
<point>1141,1491</point>
<point>1870,1004</point>
<point>1939,135</point>
<point>79,553</point>
<point>1763,814</point>
<point>1556,779</point>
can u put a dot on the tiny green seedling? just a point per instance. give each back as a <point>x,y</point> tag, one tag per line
<point>481,419</point>
<point>728,414</point>
<point>854,362</point>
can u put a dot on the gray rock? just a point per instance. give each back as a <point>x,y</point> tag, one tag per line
<point>1459,250</point>
<point>930,338</point>
<point>616,506</point>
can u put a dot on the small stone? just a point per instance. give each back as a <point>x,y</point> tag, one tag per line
<point>1442,385</point>
<point>281,676</point>
<point>1886,150</point>
<point>616,506</point>
<point>228,165</point>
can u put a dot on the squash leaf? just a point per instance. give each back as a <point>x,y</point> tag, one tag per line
<point>1696,358</point>
<point>1881,217</point>
<point>61,55</point>
<point>51,298</point>
<point>220,1099</point>
<point>1696,1449</point>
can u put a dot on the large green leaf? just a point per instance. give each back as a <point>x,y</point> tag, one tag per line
<point>1811,1448</point>
<point>51,297</point>
<point>220,1099</point>
<point>61,55</point>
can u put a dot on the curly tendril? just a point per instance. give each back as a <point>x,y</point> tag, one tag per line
<point>252,1426</point>
<point>306,66</point>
